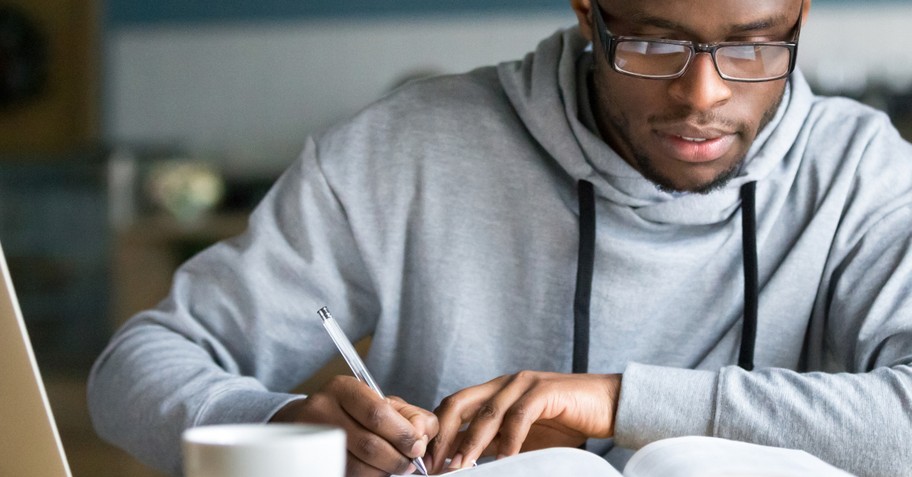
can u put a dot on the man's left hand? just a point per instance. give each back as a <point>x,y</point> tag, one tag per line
<point>524,411</point>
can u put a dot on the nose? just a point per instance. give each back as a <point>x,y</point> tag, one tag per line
<point>701,88</point>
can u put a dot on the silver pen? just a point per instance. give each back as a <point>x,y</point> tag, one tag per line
<point>354,362</point>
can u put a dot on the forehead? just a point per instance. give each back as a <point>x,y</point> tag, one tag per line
<point>703,17</point>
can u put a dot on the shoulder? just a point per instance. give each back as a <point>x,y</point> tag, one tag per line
<point>477,87</point>
<point>435,130</point>
<point>443,117</point>
<point>856,138</point>
<point>859,156</point>
<point>424,103</point>
<point>841,121</point>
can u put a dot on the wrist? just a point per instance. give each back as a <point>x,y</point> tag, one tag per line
<point>613,392</point>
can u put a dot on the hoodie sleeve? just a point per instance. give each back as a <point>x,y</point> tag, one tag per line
<point>859,419</point>
<point>205,355</point>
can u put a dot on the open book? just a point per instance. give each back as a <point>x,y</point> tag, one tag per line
<point>677,457</point>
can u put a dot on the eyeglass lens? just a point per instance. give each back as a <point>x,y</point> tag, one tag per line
<point>659,59</point>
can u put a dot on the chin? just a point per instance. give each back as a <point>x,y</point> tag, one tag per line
<point>700,182</point>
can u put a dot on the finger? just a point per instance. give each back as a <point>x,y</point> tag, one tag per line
<point>380,417</point>
<point>455,410</point>
<point>376,451</point>
<point>424,421</point>
<point>490,450</point>
<point>487,421</point>
<point>516,423</point>
<point>373,426</point>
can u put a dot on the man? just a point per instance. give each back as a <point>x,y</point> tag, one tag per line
<point>666,235</point>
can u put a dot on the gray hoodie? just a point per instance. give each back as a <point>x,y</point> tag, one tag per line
<point>443,220</point>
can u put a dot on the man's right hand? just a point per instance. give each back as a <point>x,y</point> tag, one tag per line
<point>383,435</point>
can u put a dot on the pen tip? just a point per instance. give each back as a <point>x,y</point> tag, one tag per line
<point>419,463</point>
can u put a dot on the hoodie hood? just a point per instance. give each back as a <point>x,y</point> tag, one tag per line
<point>549,91</point>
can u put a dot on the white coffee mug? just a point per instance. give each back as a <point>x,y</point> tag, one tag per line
<point>264,450</point>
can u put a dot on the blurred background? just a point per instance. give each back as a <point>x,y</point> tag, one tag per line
<point>135,133</point>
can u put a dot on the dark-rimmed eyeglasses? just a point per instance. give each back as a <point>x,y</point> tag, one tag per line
<point>746,61</point>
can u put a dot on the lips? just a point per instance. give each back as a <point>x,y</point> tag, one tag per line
<point>695,145</point>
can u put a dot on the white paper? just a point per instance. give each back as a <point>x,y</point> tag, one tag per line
<point>691,456</point>
<point>708,457</point>
<point>558,461</point>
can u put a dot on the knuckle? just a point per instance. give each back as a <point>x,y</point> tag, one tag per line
<point>431,425</point>
<point>368,446</point>
<point>448,405</point>
<point>426,415</point>
<point>526,375</point>
<point>337,382</point>
<point>487,411</point>
<point>375,417</point>
<point>406,439</point>
<point>518,412</point>
<point>341,388</point>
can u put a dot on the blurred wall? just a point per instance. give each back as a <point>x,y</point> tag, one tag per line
<point>250,93</point>
<point>245,85</point>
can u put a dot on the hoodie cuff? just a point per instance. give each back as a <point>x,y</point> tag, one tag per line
<point>243,406</point>
<point>658,402</point>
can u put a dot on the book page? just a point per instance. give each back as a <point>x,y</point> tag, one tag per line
<point>557,461</point>
<point>710,457</point>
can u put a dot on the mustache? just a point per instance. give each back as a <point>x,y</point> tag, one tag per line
<point>706,119</point>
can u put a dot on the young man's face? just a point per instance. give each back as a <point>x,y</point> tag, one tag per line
<point>693,132</point>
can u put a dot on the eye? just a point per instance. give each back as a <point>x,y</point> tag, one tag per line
<point>659,48</point>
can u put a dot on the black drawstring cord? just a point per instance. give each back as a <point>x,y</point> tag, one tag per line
<point>586,261</point>
<point>585,265</point>
<point>751,280</point>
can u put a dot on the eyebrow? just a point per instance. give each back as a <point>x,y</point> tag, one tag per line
<point>643,18</point>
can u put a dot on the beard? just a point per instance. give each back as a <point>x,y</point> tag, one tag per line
<point>646,165</point>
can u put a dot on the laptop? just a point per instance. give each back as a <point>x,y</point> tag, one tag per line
<point>29,442</point>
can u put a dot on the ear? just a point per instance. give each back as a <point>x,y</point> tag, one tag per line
<point>805,9</point>
<point>583,10</point>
